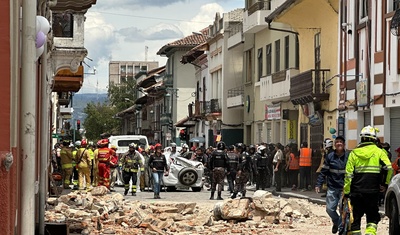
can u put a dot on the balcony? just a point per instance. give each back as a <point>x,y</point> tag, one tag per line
<point>235,35</point>
<point>254,17</point>
<point>67,81</point>
<point>235,97</point>
<point>309,87</point>
<point>276,86</point>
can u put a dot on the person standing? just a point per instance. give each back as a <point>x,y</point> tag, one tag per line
<point>333,172</point>
<point>327,148</point>
<point>243,174</point>
<point>84,165</point>
<point>233,160</point>
<point>104,157</point>
<point>113,168</point>
<point>260,164</point>
<point>75,173</point>
<point>66,163</point>
<point>131,162</point>
<point>158,165</point>
<point>293,167</point>
<point>278,166</point>
<point>305,167</point>
<point>362,182</point>
<point>218,165</point>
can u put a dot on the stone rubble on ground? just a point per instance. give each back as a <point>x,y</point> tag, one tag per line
<point>106,213</point>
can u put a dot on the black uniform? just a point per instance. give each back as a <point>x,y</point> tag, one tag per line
<point>243,174</point>
<point>218,164</point>
<point>262,171</point>
<point>233,165</point>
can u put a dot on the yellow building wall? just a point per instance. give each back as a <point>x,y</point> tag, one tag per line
<point>308,17</point>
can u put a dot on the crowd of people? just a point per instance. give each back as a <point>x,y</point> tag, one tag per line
<point>361,175</point>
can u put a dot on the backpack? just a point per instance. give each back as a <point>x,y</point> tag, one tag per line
<point>395,166</point>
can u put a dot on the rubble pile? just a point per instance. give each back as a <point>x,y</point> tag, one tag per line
<point>98,212</point>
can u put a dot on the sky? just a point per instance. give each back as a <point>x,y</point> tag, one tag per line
<point>120,30</point>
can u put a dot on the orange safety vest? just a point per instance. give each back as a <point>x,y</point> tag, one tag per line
<point>104,155</point>
<point>305,157</point>
<point>293,162</point>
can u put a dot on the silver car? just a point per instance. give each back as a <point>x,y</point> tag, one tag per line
<point>184,174</point>
<point>392,205</point>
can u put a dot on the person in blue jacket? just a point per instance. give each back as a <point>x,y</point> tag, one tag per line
<point>333,170</point>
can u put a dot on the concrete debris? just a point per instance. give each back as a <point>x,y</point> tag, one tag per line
<point>107,213</point>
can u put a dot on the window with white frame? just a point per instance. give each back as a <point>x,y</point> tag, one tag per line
<point>363,10</point>
<point>268,132</point>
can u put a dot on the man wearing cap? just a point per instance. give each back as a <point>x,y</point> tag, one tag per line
<point>333,170</point>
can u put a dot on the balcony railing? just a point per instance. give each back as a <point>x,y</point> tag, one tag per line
<point>235,91</point>
<point>309,86</point>
<point>207,107</point>
<point>262,5</point>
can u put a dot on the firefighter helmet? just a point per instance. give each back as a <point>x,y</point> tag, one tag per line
<point>84,143</point>
<point>368,132</point>
<point>77,143</point>
<point>158,145</point>
<point>102,142</point>
<point>132,145</point>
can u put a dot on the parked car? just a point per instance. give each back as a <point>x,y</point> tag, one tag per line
<point>184,174</point>
<point>392,205</point>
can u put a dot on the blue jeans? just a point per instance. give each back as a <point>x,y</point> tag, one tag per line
<point>332,200</point>
<point>157,177</point>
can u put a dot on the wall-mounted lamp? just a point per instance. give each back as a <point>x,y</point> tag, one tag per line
<point>347,26</point>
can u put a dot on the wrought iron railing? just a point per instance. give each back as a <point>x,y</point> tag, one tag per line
<point>261,5</point>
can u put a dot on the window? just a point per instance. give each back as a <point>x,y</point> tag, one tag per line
<point>62,25</point>
<point>249,66</point>
<point>363,9</point>
<point>268,58</point>
<point>260,63</point>
<point>130,70</point>
<point>395,5</point>
<point>137,69</point>
<point>286,52</point>
<point>277,55</point>
<point>259,132</point>
<point>269,133</point>
<point>122,72</point>
<point>297,53</point>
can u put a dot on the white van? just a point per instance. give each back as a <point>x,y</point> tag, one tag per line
<point>122,142</point>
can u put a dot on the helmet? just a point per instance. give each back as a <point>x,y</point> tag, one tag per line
<point>252,147</point>
<point>173,145</point>
<point>66,142</point>
<point>102,142</point>
<point>158,145</point>
<point>132,145</point>
<point>114,147</point>
<point>240,145</point>
<point>368,132</point>
<point>90,143</point>
<point>221,145</point>
<point>152,147</point>
<point>328,143</point>
<point>231,147</point>
<point>83,143</point>
<point>261,148</point>
<point>78,143</point>
<point>185,146</point>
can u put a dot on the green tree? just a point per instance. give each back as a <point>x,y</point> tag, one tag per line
<point>100,119</point>
<point>122,95</point>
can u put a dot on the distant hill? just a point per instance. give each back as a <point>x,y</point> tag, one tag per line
<point>80,101</point>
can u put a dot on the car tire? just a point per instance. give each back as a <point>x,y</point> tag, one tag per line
<point>394,223</point>
<point>187,176</point>
<point>196,189</point>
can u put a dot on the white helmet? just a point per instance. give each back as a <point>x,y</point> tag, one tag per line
<point>369,132</point>
<point>78,143</point>
<point>185,146</point>
<point>261,148</point>
<point>173,145</point>
<point>328,143</point>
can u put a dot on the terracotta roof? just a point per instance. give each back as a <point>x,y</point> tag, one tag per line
<point>150,79</point>
<point>189,41</point>
<point>194,53</point>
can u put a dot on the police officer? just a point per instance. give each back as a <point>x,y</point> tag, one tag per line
<point>130,162</point>
<point>244,170</point>
<point>218,165</point>
<point>363,179</point>
<point>260,163</point>
<point>233,159</point>
<point>253,175</point>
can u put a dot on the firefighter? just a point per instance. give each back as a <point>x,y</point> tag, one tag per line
<point>362,182</point>
<point>218,165</point>
<point>94,170</point>
<point>131,162</point>
<point>113,167</point>
<point>66,163</point>
<point>75,174</point>
<point>260,164</point>
<point>103,154</point>
<point>84,164</point>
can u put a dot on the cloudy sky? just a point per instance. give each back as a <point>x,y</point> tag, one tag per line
<point>121,29</point>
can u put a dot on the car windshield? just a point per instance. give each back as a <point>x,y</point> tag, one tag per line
<point>125,143</point>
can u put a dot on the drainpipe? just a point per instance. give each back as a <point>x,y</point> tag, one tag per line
<point>27,119</point>
<point>44,140</point>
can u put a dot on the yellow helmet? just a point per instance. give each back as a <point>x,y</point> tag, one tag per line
<point>369,132</point>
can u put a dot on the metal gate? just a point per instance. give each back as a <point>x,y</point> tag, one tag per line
<point>394,130</point>
<point>316,140</point>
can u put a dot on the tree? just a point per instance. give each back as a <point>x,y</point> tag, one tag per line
<point>122,95</point>
<point>100,119</point>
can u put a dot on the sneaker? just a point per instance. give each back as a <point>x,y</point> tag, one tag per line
<point>334,229</point>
